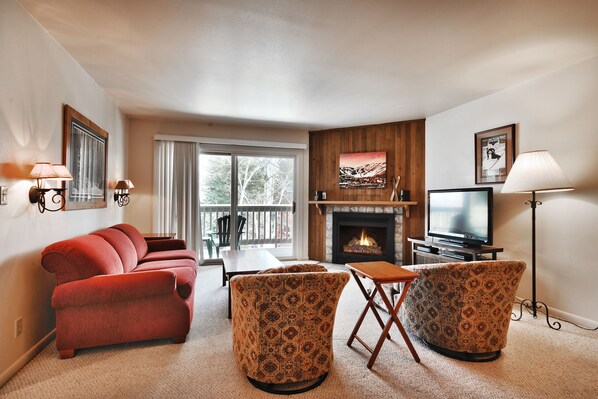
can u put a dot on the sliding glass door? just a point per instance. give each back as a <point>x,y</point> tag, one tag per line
<point>248,201</point>
<point>265,199</point>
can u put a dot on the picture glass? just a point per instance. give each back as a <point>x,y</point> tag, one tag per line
<point>493,155</point>
<point>85,156</point>
<point>87,164</point>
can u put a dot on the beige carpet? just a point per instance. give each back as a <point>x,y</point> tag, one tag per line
<point>537,363</point>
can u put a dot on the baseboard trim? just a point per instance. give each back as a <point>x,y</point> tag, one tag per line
<point>26,358</point>
<point>564,316</point>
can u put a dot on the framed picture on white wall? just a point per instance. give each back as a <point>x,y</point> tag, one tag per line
<point>494,154</point>
<point>85,156</point>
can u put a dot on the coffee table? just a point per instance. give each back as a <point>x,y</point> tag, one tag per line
<point>381,273</point>
<point>245,261</point>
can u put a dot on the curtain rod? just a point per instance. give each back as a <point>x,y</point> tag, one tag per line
<point>223,141</point>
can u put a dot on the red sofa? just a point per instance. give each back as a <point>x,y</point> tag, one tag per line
<point>114,287</point>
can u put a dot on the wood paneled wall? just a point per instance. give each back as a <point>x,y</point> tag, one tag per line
<point>404,143</point>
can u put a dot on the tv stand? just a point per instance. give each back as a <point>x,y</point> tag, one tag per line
<point>455,244</point>
<point>430,250</point>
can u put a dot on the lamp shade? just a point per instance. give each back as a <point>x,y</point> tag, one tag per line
<point>536,171</point>
<point>62,173</point>
<point>124,185</point>
<point>43,170</point>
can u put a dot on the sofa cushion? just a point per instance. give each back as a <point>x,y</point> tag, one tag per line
<point>184,269</point>
<point>122,245</point>
<point>166,244</point>
<point>166,264</point>
<point>165,255</point>
<point>80,258</point>
<point>135,237</point>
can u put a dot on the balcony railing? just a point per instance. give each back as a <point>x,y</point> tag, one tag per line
<point>266,224</point>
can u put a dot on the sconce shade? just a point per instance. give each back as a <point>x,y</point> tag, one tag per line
<point>124,185</point>
<point>62,172</point>
<point>43,170</point>
<point>536,171</point>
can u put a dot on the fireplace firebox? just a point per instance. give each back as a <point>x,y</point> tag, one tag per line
<point>362,237</point>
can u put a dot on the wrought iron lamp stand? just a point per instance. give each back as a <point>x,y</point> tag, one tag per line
<point>533,303</point>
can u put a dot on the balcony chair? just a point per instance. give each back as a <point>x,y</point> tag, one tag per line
<point>221,238</point>
<point>282,321</point>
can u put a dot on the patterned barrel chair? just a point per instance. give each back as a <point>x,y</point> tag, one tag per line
<point>463,310</point>
<point>282,322</point>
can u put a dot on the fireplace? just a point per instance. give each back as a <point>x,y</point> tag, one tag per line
<point>363,237</point>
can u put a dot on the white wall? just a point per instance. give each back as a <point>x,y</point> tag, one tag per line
<point>36,78</point>
<point>558,113</point>
<point>141,152</point>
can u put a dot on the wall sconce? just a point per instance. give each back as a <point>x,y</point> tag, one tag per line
<point>121,192</point>
<point>46,171</point>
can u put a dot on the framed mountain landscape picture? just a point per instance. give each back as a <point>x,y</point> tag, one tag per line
<point>362,170</point>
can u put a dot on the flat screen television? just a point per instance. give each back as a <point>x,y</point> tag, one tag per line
<point>462,215</point>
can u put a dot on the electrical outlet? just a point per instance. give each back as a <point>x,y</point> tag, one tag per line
<point>18,326</point>
<point>3,195</point>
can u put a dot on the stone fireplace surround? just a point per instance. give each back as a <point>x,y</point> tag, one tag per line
<point>398,233</point>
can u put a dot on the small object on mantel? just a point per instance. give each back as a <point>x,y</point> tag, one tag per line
<point>395,187</point>
<point>404,196</point>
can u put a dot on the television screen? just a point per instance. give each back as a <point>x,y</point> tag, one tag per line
<point>461,215</point>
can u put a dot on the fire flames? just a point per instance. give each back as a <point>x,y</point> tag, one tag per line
<point>363,245</point>
<point>367,240</point>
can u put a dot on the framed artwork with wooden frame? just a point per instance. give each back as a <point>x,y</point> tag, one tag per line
<point>494,154</point>
<point>362,170</point>
<point>85,154</point>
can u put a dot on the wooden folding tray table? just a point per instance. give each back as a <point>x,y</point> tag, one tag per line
<point>381,273</point>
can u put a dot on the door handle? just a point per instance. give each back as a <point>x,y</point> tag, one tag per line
<point>294,207</point>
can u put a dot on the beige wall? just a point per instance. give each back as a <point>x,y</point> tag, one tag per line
<point>36,78</point>
<point>556,112</point>
<point>141,153</point>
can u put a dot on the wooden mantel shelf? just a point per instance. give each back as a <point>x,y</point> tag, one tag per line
<point>321,205</point>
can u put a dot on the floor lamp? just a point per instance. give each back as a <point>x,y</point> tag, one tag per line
<point>535,172</point>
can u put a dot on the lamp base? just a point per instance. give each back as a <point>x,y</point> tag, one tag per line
<point>533,307</point>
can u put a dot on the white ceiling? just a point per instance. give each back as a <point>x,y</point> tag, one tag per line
<point>315,64</point>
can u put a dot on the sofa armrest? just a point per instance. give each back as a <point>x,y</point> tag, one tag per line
<point>114,288</point>
<point>165,245</point>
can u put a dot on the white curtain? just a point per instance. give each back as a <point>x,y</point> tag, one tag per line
<point>176,192</point>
